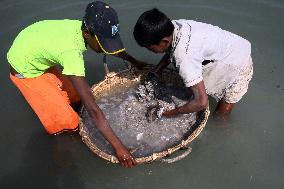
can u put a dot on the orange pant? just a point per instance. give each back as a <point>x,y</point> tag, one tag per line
<point>50,96</point>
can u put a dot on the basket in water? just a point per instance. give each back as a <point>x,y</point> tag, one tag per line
<point>148,141</point>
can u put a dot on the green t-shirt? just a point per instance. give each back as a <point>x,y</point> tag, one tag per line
<point>48,43</point>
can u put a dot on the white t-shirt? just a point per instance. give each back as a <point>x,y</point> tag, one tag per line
<point>194,42</point>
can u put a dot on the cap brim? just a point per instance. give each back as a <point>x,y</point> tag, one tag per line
<point>110,45</point>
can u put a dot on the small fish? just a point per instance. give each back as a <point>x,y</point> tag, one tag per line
<point>152,113</point>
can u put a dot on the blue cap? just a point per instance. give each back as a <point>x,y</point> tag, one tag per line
<point>102,20</point>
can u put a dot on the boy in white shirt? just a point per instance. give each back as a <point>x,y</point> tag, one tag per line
<point>210,60</point>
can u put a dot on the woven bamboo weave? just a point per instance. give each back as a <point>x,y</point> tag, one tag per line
<point>124,77</point>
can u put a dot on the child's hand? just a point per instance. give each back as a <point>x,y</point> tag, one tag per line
<point>125,158</point>
<point>154,113</point>
<point>151,76</point>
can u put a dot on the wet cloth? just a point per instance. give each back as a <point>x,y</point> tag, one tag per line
<point>50,96</point>
<point>229,54</point>
<point>47,43</point>
<point>235,92</point>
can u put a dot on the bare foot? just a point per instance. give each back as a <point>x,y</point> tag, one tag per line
<point>222,120</point>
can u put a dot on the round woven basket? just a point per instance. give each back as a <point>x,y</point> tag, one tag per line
<point>126,77</point>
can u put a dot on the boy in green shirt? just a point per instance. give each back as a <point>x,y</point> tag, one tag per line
<point>51,93</point>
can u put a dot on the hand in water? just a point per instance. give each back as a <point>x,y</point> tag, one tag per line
<point>125,158</point>
<point>152,76</point>
<point>154,113</point>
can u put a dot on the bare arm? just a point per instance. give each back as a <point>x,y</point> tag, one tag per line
<point>100,121</point>
<point>199,102</point>
<point>125,56</point>
<point>164,62</point>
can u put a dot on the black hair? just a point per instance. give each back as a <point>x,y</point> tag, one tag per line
<point>151,27</point>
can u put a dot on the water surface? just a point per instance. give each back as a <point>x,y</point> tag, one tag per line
<point>245,153</point>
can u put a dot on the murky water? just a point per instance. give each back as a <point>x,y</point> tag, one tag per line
<point>127,115</point>
<point>245,153</point>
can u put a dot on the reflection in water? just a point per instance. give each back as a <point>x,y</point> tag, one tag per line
<point>50,167</point>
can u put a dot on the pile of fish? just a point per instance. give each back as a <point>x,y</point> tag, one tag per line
<point>156,97</point>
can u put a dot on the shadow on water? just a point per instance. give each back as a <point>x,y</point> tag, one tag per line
<point>46,162</point>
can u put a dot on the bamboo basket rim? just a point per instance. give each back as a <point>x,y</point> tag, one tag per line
<point>136,76</point>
